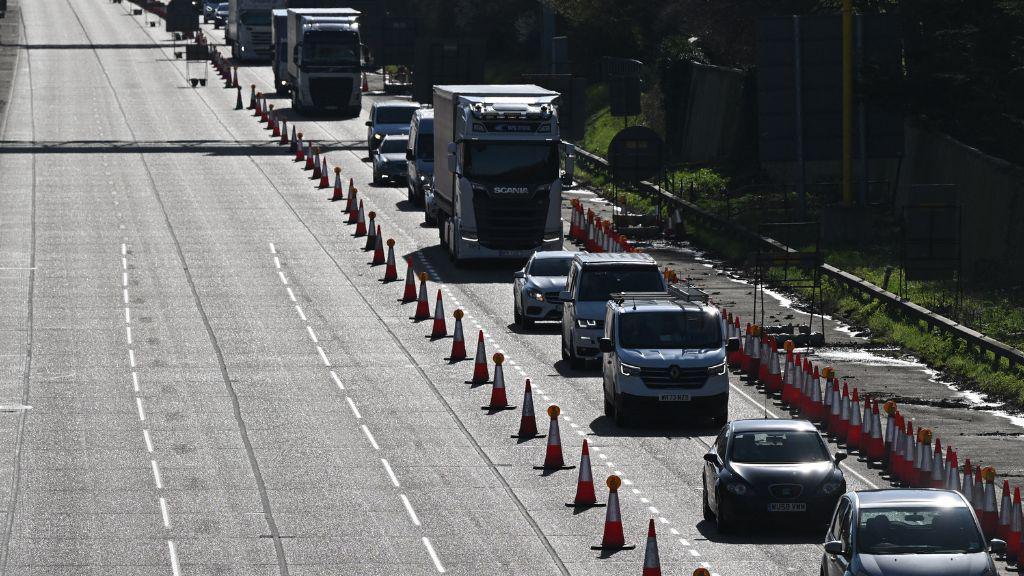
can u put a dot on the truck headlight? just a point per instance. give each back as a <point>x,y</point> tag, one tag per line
<point>584,323</point>
<point>535,295</point>
<point>629,369</point>
<point>717,369</point>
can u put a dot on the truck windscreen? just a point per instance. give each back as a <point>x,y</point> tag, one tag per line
<point>661,330</point>
<point>510,162</point>
<point>330,49</point>
<point>255,17</point>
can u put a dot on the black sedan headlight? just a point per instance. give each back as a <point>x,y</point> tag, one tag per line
<point>738,488</point>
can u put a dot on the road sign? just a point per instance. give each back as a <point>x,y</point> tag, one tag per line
<point>635,154</point>
<point>181,16</point>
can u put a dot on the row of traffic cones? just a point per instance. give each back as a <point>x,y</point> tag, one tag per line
<point>595,233</point>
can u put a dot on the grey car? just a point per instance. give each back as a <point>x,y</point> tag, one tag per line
<point>537,286</point>
<point>389,159</point>
<point>898,532</point>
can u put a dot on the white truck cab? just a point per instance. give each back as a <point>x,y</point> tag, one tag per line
<point>665,351</point>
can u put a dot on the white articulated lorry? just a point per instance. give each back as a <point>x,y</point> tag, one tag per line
<point>248,28</point>
<point>496,171</point>
<point>325,60</point>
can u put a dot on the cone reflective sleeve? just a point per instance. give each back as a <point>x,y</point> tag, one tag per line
<point>459,341</point>
<point>480,374</point>
<point>325,176</point>
<point>390,269</point>
<point>528,421</point>
<point>422,305</point>
<point>585,495</point>
<point>360,222</point>
<point>989,513</point>
<point>409,293</point>
<point>613,537</point>
<point>378,249</point>
<point>652,562</point>
<point>937,478</point>
<point>499,400</point>
<point>953,474</point>
<point>440,328</point>
<point>1005,504</point>
<point>371,232</point>
<point>967,487</point>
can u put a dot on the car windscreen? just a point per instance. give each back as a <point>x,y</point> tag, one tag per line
<point>918,530</point>
<point>663,329</point>
<point>394,145</point>
<point>777,447</point>
<point>598,284</point>
<point>550,267</point>
<point>394,115</point>
<point>255,17</point>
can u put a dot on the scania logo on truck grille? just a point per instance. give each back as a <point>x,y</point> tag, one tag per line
<point>511,190</point>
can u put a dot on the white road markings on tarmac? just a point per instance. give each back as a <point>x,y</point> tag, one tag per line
<point>312,335</point>
<point>135,381</point>
<point>291,296</point>
<point>301,313</point>
<point>352,405</point>
<point>277,262</point>
<point>149,441</point>
<point>128,334</point>
<point>125,295</point>
<point>433,555</point>
<point>163,512</point>
<point>127,316</point>
<point>408,508</point>
<point>156,475</point>
<point>323,356</point>
<point>369,436</point>
<point>337,381</point>
<point>131,357</point>
<point>283,279</point>
<point>391,473</point>
<point>175,569</point>
<point>142,413</point>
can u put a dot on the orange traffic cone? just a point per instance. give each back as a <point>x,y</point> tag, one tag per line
<point>410,282</point>
<point>854,430</point>
<point>259,113</point>
<point>979,493</point>
<point>317,162</point>
<point>585,496</point>
<point>309,157</point>
<point>422,306</point>
<point>734,358</point>
<point>1005,504</point>
<point>371,232</point>
<point>366,85</point>
<point>300,149</point>
<point>967,488</point>
<point>439,329</point>
<point>952,472</point>
<point>876,445</point>
<point>325,176</point>
<point>613,538</point>
<point>275,131</point>
<point>239,105</point>
<point>284,133</point>
<point>938,476</point>
<point>339,190</point>
<point>1014,534</point>
<point>989,515</point>
<point>652,563</point>
<point>789,377</point>
<point>553,454</point>
<point>458,340</point>
<point>234,79</point>
<point>293,144</point>
<point>390,270</point>
<point>480,375</point>
<point>378,249</point>
<point>499,401</point>
<point>360,222</point>
<point>528,422</point>
<point>353,212</point>
<point>252,97</point>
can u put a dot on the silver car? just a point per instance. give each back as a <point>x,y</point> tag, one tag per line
<point>907,533</point>
<point>389,159</point>
<point>537,286</point>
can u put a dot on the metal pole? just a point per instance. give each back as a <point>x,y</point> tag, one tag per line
<point>801,188</point>
<point>847,102</point>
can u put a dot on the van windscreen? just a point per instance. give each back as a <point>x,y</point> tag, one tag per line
<point>663,330</point>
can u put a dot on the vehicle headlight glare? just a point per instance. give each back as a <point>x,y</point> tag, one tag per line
<point>717,369</point>
<point>628,369</point>
<point>377,136</point>
<point>535,295</point>
<point>584,323</point>
<point>737,488</point>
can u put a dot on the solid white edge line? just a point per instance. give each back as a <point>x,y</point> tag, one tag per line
<point>142,413</point>
<point>124,249</point>
<point>433,555</point>
<point>124,263</point>
<point>124,292</point>
<point>337,381</point>
<point>124,279</point>
<point>408,508</point>
<point>163,512</point>
<point>323,356</point>
<point>369,436</point>
<point>156,475</point>
<point>172,550</point>
<point>391,473</point>
<point>149,441</point>
<point>352,405</point>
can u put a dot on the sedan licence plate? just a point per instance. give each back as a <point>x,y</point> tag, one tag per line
<point>674,397</point>
<point>787,507</point>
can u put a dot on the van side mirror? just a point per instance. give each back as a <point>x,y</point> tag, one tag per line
<point>565,296</point>
<point>834,548</point>
<point>605,345</point>
<point>519,274</point>
<point>711,457</point>
<point>997,546</point>
<point>733,345</point>
<point>369,124</point>
<point>840,456</point>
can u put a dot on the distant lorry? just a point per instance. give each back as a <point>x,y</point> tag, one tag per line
<point>325,60</point>
<point>279,39</point>
<point>248,28</point>
<point>496,170</point>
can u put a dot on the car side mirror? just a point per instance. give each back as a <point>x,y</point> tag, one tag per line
<point>997,546</point>
<point>369,124</point>
<point>711,457</point>
<point>605,345</point>
<point>733,345</point>
<point>565,296</point>
<point>834,547</point>
<point>409,156</point>
<point>840,456</point>
<point>519,274</point>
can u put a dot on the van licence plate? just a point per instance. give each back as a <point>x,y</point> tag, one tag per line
<point>674,397</point>
<point>787,507</point>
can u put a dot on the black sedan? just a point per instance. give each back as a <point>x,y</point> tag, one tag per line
<point>770,469</point>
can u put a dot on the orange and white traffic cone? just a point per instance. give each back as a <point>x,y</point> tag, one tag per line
<point>745,346</point>
<point>923,476</point>
<point>234,79</point>
<point>271,124</point>
<point>390,270</point>
<point>979,493</point>
<point>439,329</point>
<point>360,222</point>
<point>309,157</point>
<point>409,293</point>
<point>458,340</point>
<point>378,249</point>
<point>909,455</point>
<point>325,175</point>
<point>239,105</point>
<point>300,148</point>
<point>257,111</point>
<point>585,496</point>
<point>422,306</point>
<point>317,160</point>
<point>499,400</point>
<point>252,97</point>
<point>967,487</point>
<point>816,412</point>
<point>774,373</point>
<point>894,454</point>
<point>788,377</point>
<point>1005,506</point>
<point>293,143</point>
<point>652,563</point>
<point>480,375</point>
<point>734,358</point>
<point>1016,530</point>
<point>366,84</point>
<point>553,452</point>
<point>528,421</point>
<point>843,423</point>
<point>613,538</point>
<point>275,129</point>
<point>339,190</point>
<point>876,444</point>
<point>953,472</point>
<point>989,514</point>
<point>835,408</point>
<point>371,232</point>
<point>283,141</point>
<point>353,211</point>
<point>938,477</point>
<point>854,428</point>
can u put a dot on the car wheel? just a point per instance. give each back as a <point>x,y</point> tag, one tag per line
<point>565,350</point>
<point>516,316</point>
<point>410,196</point>
<point>524,322</point>
<point>708,514</point>
<point>725,520</point>
<point>622,418</point>
<point>609,408</point>
<point>575,362</point>
<point>376,178</point>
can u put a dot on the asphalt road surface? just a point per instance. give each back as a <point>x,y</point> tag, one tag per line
<point>201,374</point>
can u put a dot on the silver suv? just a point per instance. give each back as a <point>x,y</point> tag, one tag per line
<point>593,278</point>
